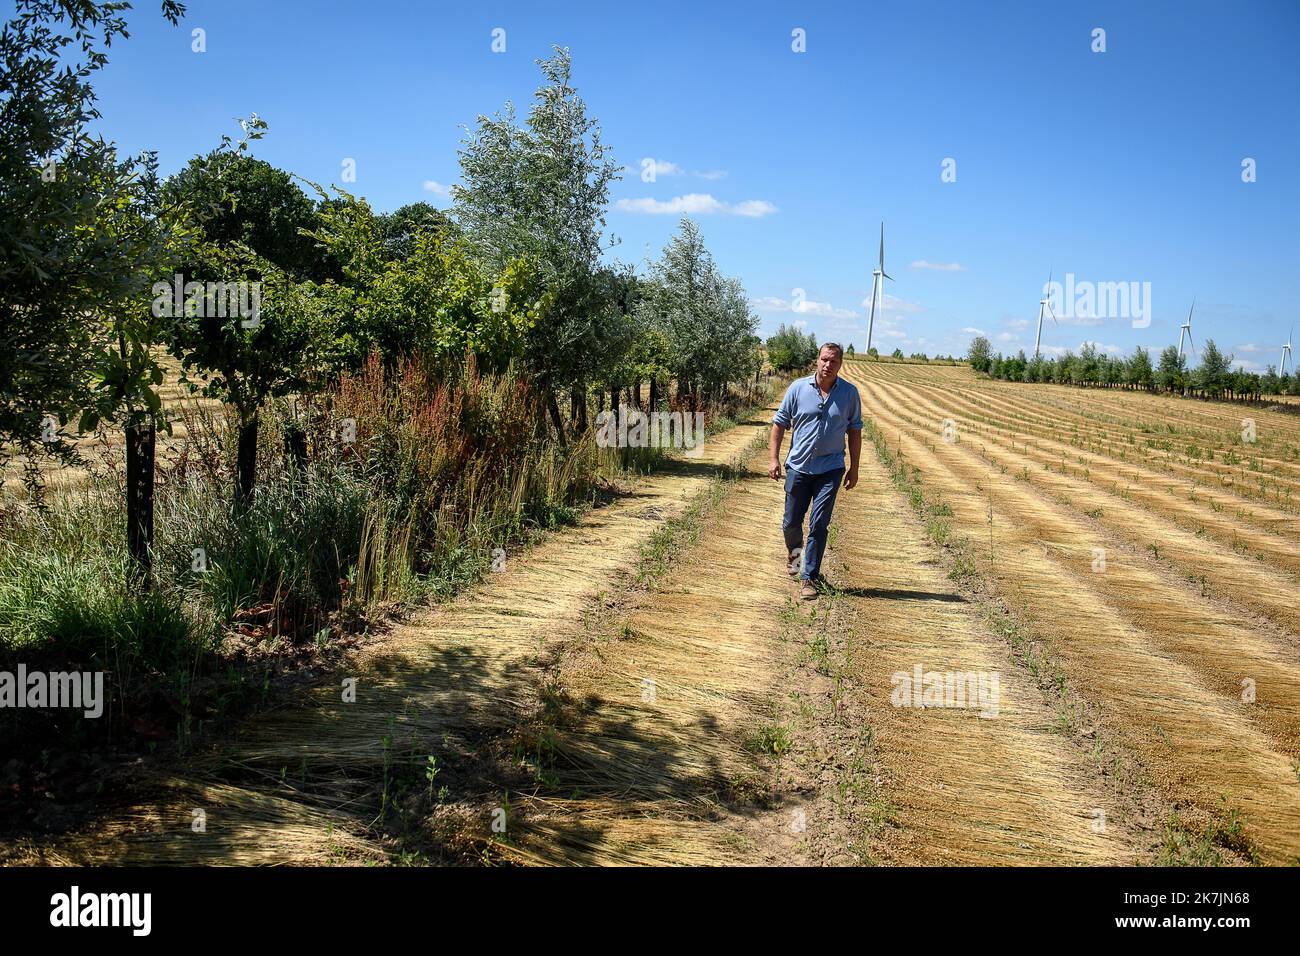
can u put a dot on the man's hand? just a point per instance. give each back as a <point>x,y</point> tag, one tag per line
<point>850,478</point>
<point>774,452</point>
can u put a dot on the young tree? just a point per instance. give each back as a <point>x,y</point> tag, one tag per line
<point>539,192</point>
<point>1137,370</point>
<point>1212,374</point>
<point>979,354</point>
<point>704,315</point>
<point>70,242</point>
<point>1171,373</point>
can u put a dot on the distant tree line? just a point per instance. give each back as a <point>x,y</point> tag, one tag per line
<point>1212,377</point>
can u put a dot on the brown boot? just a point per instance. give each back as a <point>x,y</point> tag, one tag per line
<point>808,592</point>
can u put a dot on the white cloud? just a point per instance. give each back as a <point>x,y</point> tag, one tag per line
<point>754,208</point>
<point>665,167</point>
<point>700,204</point>
<point>662,167</point>
<point>800,305</point>
<point>1017,323</point>
<point>939,266</point>
<point>809,307</point>
<point>971,330</point>
<point>1007,337</point>
<point>1248,347</point>
<point>893,305</point>
<point>437,188</point>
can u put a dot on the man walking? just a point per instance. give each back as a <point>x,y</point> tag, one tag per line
<point>822,409</point>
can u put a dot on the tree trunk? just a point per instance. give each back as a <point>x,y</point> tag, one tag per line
<point>246,462</point>
<point>140,441</point>
<point>295,449</point>
<point>654,393</point>
<point>554,407</point>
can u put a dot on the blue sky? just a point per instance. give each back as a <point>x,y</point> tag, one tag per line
<point>1119,166</point>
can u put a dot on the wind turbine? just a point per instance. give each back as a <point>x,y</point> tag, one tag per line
<point>878,275</point>
<point>1186,330</point>
<point>1286,352</point>
<point>1045,303</point>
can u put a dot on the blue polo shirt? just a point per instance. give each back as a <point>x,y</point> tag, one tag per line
<point>817,440</point>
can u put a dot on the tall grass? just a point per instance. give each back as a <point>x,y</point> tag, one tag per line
<point>445,465</point>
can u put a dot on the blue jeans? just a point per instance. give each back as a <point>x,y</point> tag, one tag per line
<point>802,489</point>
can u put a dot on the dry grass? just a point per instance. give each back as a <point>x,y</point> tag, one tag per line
<point>1162,662</point>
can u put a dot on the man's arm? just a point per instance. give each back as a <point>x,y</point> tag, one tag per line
<point>855,441</point>
<point>855,452</point>
<point>774,447</point>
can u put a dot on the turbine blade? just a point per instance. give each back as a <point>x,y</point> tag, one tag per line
<point>1048,304</point>
<point>887,276</point>
<point>882,247</point>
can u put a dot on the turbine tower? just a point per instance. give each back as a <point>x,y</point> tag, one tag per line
<point>1186,330</point>
<point>1286,353</point>
<point>878,275</point>
<point>1044,304</point>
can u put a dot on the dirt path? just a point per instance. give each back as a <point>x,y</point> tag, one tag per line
<point>974,785</point>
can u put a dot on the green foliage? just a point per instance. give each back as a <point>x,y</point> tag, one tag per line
<point>703,316</point>
<point>436,300</point>
<point>538,193</point>
<point>74,239</point>
<point>1172,370</point>
<point>790,349</point>
<point>248,202</point>
<point>1213,374</point>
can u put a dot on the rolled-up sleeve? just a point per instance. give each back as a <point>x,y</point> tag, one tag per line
<point>783,414</point>
<point>855,418</point>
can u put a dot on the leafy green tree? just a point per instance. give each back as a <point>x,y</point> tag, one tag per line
<point>790,349</point>
<point>399,229</point>
<point>71,236</point>
<point>1171,373</point>
<point>1212,374</point>
<point>979,354</point>
<point>1137,370</point>
<point>704,315</point>
<point>249,202</point>
<point>539,192</point>
<point>436,299</point>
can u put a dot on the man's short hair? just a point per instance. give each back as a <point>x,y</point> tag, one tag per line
<point>835,347</point>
